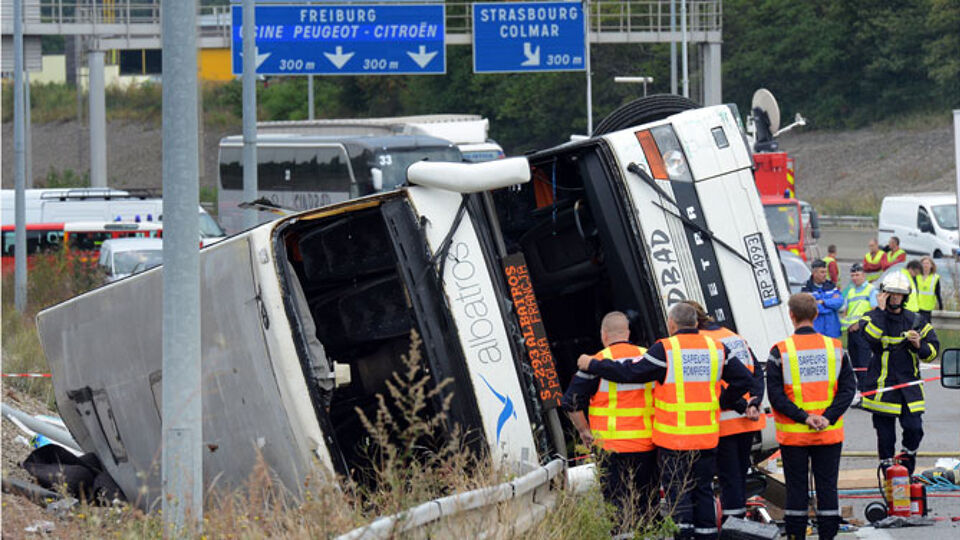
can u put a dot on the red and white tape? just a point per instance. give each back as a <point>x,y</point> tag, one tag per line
<point>28,375</point>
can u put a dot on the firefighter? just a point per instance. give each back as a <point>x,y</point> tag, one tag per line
<point>859,297</point>
<point>686,369</point>
<point>810,383</point>
<point>911,271</point>
<point>738,426</point>
<point>873,261</point>
<point>894,254</point>
<point>900,340</point>
<point>621,422</point>
<point>833,268</point>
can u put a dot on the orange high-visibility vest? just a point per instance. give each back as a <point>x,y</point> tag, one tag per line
<point>686,405</point>
<point>621,415</point>
<point>811,367</point>
<point>732,422</point>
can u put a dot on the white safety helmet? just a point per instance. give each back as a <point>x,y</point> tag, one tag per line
<point>896,283</point>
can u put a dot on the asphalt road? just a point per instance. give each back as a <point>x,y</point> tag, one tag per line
<point>941,424</point>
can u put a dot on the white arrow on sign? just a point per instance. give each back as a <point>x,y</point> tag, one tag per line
<point>261,58</point>
<point>338,58</point>
<point>422,58</point>
<point>533,55</point>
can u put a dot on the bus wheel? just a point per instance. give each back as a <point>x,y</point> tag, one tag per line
<point>642,111</point>
<point>937,254</point>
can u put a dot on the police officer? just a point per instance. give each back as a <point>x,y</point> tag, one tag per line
<point>859,298</point>
<point>828,299</point>
<point>810,383</point>
<point>900,340</point>
<point>738,426</point>
<point>621,423</point>
<point>686,369</point>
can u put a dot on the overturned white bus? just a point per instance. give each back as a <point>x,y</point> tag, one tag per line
<point>504,269</point>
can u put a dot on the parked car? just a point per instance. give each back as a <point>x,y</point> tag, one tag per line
<point>795,269</point>
<point>123,257</point>
<point>925,223</point>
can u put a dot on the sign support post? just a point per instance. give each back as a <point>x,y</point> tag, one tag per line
<point>586,54</point>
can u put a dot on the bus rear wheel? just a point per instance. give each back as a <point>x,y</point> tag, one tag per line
<point>643,111</point>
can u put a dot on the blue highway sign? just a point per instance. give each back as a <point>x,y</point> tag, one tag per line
<point>528,36</point>
<point>345,39</point>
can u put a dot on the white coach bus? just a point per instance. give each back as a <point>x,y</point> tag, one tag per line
<point>299,172</point>
<point>635,219</point>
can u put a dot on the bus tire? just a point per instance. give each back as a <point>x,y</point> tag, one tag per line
<point>642,111</point>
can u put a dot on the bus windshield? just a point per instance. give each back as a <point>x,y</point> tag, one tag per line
<point>784,223</point>
<point>393,163</point>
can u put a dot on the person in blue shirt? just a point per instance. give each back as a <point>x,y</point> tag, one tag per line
<point>829,300</point>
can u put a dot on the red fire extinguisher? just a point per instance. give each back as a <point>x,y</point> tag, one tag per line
<point>897,490</point>
<point>918,499</point>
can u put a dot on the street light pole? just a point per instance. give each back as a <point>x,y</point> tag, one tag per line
<point>182,414</point>
<point>250,218</point>
<point>635,80</point>
<point>19,166</point>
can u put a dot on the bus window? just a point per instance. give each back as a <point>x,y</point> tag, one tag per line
<point>231,168</point>
<point>37,241</point>
<point>87,241</point>
<point>393,163</point>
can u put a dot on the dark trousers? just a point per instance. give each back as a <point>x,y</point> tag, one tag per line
<point>687,478</point>
<point>733,460</point>
<point>860,354</point>
<point>912,425</point>
<point>925,316</point>
<point>630,484</point>
<point>825,461</point>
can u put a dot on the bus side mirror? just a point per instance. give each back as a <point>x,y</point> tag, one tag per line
<point>950,368</point>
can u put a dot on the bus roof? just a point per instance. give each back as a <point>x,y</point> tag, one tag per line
<point>370,142</point>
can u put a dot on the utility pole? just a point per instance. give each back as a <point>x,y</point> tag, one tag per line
<point>98,119</point>
<point>673,47</point>
<point>182,414</point>
<point>250,217</point>
<point>19,167</point>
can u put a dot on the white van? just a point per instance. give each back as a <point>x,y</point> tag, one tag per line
<point>925,223</point>
<point>504,269</point>
<point>122,257</point>
<point>96,204</point>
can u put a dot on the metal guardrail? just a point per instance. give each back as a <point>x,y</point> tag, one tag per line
<point>531,495</point>
<point>945,320</point>
<point>856,222</point>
